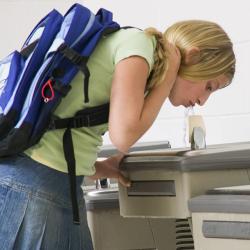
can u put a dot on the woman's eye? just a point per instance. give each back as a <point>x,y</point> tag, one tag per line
<point>209,88</point>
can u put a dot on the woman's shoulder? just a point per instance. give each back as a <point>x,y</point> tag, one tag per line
<point>132,34</point>
<point>133,42</point>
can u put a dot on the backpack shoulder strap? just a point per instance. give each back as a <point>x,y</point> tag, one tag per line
<point>83,118</point>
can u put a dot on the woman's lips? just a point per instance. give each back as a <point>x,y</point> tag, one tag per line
<point>188,104</point>
<point>191,103</point>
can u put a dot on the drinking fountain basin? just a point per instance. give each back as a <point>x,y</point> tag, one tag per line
<point>162,181</point>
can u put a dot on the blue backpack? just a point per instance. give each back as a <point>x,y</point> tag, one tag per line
<point>34,81</point>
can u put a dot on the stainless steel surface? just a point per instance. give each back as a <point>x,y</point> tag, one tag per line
<point>104,193</point>
<point>198,140</point>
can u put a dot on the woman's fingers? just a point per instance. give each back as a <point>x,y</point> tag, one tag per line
<point>110,169</point>
<point>117,174</point>
<point>124,180</point>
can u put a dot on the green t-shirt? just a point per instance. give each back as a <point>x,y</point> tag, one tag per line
<point>109,51</point>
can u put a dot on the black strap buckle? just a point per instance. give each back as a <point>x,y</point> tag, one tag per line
<point>52,124</point>
<point>73,55</point>
<point>80,121</point>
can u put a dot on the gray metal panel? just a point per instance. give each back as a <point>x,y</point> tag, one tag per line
<point>217,160</point>
<point>231,156</point>
<point>152,163</point>
<point>229,192</point>
<point>226,229</point>
<point>97,204</point>
<point>220,204</point>
<point>152,188</point>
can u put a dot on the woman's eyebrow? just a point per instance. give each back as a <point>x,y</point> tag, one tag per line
<point>217,85</point>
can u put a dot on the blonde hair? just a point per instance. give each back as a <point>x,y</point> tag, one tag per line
<point>216,56</point>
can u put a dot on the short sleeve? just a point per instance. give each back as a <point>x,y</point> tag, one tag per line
<point>133,42</point>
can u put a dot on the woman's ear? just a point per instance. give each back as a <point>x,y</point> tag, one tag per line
<point>192,56</point>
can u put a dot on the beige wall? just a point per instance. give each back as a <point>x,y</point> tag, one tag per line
<point>227,113</point>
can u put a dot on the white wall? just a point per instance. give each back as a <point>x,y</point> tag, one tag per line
<point>227,112</point>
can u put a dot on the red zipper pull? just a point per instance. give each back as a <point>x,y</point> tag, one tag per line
<point>49,84</point>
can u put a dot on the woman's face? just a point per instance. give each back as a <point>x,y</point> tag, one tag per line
<point>188,93</point>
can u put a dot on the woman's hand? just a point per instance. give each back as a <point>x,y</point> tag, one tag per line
<point>109,168</point>
<point>174,61</point>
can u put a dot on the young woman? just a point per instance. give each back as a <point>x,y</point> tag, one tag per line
<point>136,71</point>
<point>191,60</point>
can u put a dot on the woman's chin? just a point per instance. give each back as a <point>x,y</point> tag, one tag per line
<point>175,104</point>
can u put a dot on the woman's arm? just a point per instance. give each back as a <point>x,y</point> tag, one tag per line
<point>131,115</point>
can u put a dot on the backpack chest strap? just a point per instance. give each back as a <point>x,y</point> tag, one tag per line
<point>84,118</point>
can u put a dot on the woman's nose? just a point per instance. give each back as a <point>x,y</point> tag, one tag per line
<point>202,100</point>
